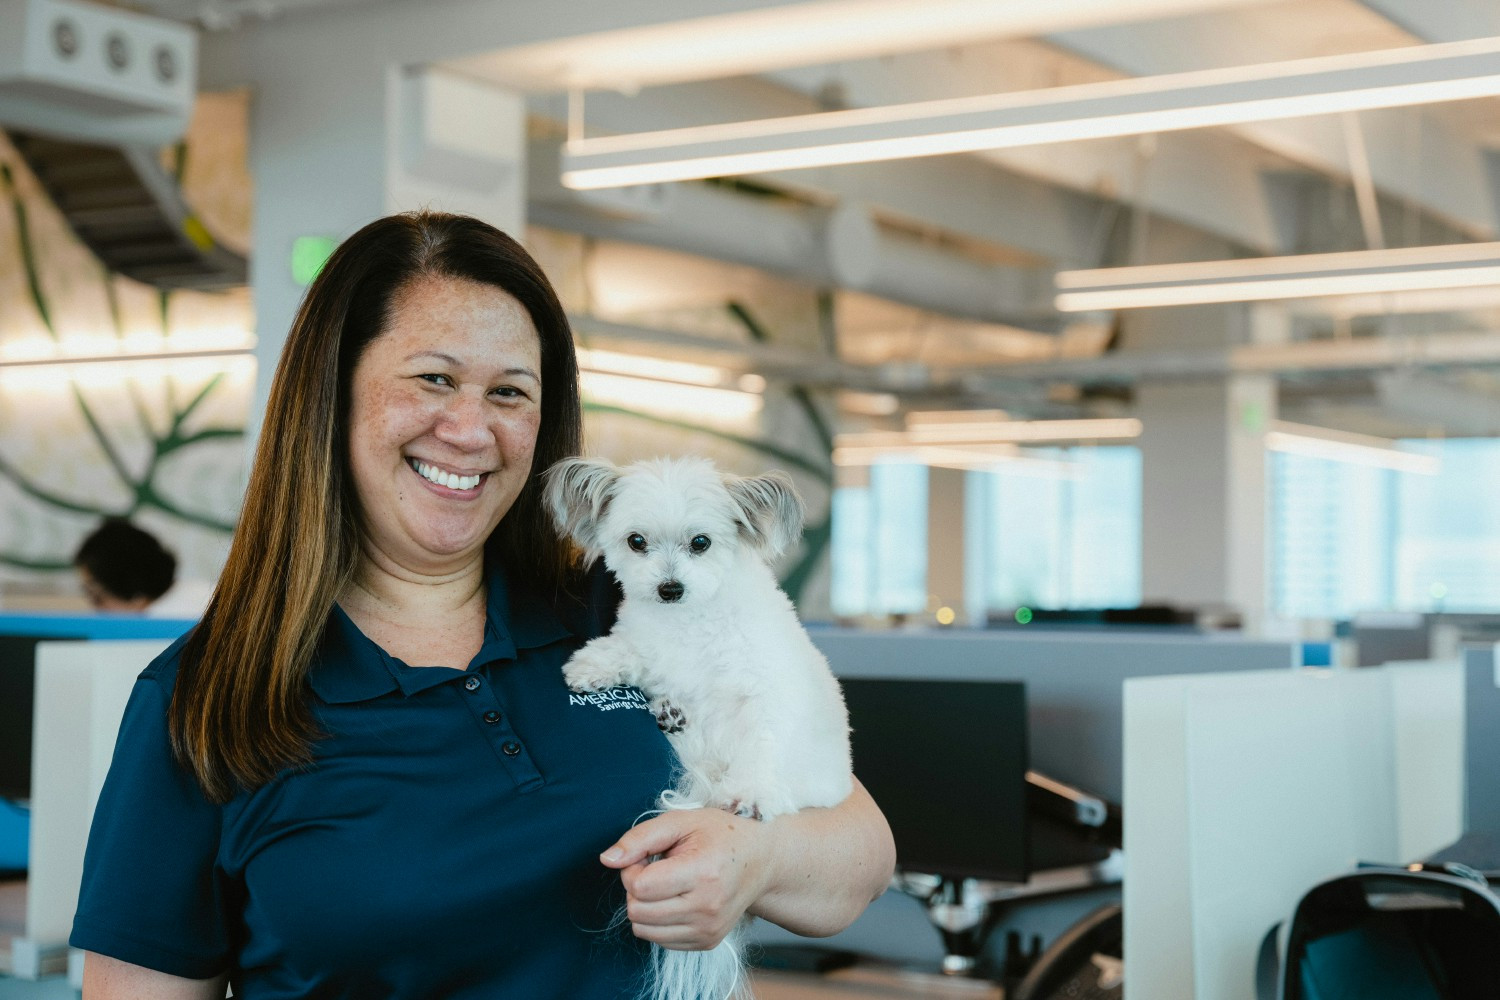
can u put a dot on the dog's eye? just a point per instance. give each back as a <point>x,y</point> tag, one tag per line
<point>637,541</point>
<point>700,543</point>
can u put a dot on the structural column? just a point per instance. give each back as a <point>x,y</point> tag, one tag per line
<point>945,543</point>
<point>337,144</point>
<point>1204,532</point>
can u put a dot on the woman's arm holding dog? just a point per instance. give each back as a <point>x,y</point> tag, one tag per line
<point>812,871</point>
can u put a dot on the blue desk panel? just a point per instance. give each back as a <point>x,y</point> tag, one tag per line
<point>96,626</point>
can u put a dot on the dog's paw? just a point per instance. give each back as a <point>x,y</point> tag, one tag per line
<point>669,718</point>
<point>744,810</point>
<point>591,670</point>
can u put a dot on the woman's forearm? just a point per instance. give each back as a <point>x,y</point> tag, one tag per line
<point>825,865</point>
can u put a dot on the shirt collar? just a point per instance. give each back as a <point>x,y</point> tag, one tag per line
<point>349,667</point>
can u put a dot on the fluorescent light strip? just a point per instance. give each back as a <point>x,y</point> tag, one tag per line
<point>982,457</point>
<point>1367,272</point>
<point>1005,432</point>
<point>1386,78</point>
<point>35,375</point>
<point>1356,449</point>
<point>641,366</point>
<point>698,402</point>
<point>94,359</point>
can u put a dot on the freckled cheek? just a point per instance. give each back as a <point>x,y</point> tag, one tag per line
<point>520,437</point>
<point>392,419</point>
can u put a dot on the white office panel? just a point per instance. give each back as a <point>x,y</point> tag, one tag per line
<point>1156,894</point>
<point>81,691</point>
<point>1428,701</point>
<point>1243,790</point>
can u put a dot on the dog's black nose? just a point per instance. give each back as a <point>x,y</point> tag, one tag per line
<point>670,591</point>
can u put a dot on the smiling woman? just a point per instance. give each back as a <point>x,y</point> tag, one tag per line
<point>443,419</point>
<point>370,772</point>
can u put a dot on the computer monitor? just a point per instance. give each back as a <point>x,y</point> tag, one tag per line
<point>946,761</point>
<point>17,679</point>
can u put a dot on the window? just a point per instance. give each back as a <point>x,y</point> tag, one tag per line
<point>880,543</point>
<point>1447,545</point>
<point>1348,538</point>
<point>1059,529</point>
<point>1331,524</point>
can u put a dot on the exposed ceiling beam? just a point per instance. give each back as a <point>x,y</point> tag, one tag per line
<point>838,246</point>
<point>1365,354</point>
<point>772,361</point>
<point>799,34</point>
<point>1461,405</point>
<point>628,41</point>
<point>1440,22</point>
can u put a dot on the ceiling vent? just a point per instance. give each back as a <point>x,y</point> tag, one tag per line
<point>79,71</point>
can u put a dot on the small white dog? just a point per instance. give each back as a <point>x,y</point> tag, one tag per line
<point>755,715</point>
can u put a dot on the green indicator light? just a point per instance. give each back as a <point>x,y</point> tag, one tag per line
<point>1438,591</point>
<point>1023,615</point>
<point>1253,417</point>
<point>309,254</point>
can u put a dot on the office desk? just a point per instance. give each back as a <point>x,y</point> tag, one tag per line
<point>870,983</point>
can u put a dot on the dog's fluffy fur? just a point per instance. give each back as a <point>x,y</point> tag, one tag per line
<point>749,704</point>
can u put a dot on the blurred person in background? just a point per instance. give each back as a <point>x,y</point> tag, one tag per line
<point>125,568</point>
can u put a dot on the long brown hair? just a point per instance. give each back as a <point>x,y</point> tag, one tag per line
<point>239,712</point>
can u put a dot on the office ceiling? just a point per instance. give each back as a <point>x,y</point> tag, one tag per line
<point>983,228</point>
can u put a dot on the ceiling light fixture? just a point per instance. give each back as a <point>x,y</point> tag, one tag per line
<point>1423,74</point>
<point>1025,431</point>
<point>1360,272</point>
<point>665,370</point>
<point>1342,446</point>
<point>980,457</point>
<point>700,404</point>
<point>978,444</point>
<point>55,374</point>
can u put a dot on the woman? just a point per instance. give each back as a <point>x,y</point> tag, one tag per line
<point>362,775</point>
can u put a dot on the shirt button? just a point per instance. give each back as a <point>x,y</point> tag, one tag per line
<point>511,748</point>
<point>472,684</point>
<point>492,716</point>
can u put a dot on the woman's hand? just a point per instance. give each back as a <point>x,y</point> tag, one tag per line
<point>813,872</point>
<point>712,867</point>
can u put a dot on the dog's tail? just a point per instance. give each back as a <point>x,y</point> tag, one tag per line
<point>716,974</point>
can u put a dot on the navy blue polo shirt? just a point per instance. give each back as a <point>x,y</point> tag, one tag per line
<point>444,842</point>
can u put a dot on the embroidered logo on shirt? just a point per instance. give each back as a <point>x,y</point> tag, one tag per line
<point>611,698</point>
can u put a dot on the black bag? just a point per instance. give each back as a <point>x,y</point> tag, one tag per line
<point>1425,932</point>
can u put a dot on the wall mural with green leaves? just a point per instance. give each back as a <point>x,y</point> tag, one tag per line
<point>158,441</point>
<point>163,441</point>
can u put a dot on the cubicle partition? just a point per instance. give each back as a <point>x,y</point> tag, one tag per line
<point>1244,791</point>
<point>1482,739</point>
<point>75,673</point>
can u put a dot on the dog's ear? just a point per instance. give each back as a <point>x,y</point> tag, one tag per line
<point>770,511</point>
<point>577,492</point>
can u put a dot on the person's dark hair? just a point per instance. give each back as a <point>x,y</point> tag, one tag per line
<point>239,711</point>
<point>127,561</point>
